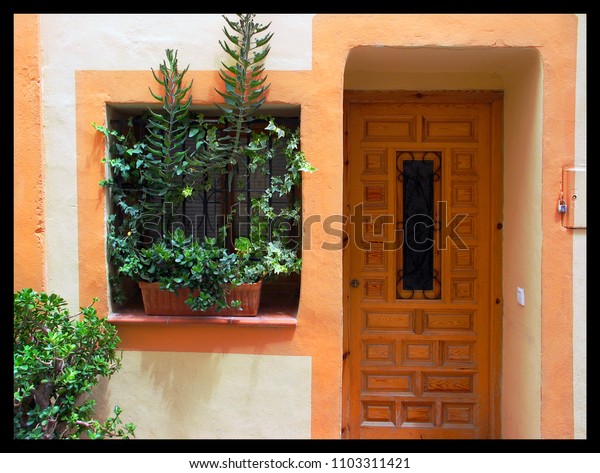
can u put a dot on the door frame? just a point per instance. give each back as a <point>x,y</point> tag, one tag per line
<point>495,99</point>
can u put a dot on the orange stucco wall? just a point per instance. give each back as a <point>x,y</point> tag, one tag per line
<point>320,94</point>
<point>29,255</point>
<point>558,55</point>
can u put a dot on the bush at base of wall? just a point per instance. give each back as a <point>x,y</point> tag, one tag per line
<point>57,362</point>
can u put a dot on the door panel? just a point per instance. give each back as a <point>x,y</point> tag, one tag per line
<point>418,320</point>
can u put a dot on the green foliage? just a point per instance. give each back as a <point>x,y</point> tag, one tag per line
<point>179,157</point>
<point>57,362</point>
<point>269,251</point>
<point>178,261</point>
<point>167,132</point>
<point>161,167</point>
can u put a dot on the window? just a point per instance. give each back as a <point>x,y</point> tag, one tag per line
<point>203,214</point>
<point>205,211</point>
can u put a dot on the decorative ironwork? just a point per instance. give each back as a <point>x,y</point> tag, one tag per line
<point>418,275</point>
<point>434,156</point>
<point>406,293</point>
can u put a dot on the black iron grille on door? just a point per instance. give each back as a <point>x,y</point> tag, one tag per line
<point>418,262</point>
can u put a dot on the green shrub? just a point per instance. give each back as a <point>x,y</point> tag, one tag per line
<point>57,362</point>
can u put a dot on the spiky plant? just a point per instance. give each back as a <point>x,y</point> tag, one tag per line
<point>244,80</point>
<point>168,131</point>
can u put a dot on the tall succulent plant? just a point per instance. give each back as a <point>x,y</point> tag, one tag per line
<point>244,79</point>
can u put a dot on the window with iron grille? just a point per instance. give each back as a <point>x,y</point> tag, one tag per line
<point>221,204</point>
<point>207,211</point>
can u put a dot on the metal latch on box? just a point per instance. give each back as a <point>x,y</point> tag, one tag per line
<point>572,202</point>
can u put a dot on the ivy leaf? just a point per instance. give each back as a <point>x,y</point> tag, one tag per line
<point>272,127</point>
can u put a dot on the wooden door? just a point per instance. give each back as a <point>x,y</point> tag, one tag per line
<point>422,266</point>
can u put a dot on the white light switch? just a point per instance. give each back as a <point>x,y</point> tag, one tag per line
<point>520,296</point>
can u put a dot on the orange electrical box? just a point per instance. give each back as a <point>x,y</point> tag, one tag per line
<point>574,194</point>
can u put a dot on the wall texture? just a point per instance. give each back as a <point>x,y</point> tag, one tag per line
<point>29,213</point>
<point>210,395</point>
<point>522,249</point>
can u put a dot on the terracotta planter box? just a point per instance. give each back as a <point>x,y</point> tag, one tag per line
<point>161,302</point>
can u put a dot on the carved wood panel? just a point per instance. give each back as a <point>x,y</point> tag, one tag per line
<point>418,364</point>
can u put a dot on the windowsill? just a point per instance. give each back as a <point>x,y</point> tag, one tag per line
<point>273,312</point>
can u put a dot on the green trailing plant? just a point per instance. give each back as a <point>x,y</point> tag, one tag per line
<point>151,176</point>
<point>179,156</point>
<point>57,362</point>
<point>269,251</point>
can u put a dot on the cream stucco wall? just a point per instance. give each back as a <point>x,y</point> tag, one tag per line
<point>521,351</point>
<point>211,395</point>
<point>580,248</point>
